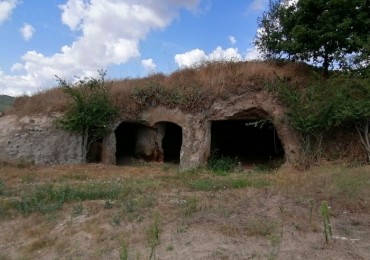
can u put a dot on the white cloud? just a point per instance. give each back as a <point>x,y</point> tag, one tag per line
<point>258,5</point>
<point>253,54</point>
<point>6,9</point>
<point>27,31</point>
<point>196,57</point>
<point>190,58</point>
<point>110,33</point>
<point>232,39</point>
<point>149,65</point>
<point>74,13</point>
<point>230,54</point>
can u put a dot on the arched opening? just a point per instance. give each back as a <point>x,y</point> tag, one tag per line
<point>135,141</point>
<point>171,142</point>
<point>94,154</point>
<point>250,141</point>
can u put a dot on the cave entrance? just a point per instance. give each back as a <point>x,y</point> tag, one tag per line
<point>135,141</point>
<point>171,142</point>
<point>252,142</point>
<point>94,154</point>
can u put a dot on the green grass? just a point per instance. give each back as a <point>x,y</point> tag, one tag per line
<point>190,206</point>
<point>154,231</point>
<point>123,251</point>
<point>228,183</point>
<point>2,188</point>
<point>352,185</point>
<point>48,197</point>
<point>222,166</point>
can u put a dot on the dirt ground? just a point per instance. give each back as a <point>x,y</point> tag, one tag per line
<point>160,213</point>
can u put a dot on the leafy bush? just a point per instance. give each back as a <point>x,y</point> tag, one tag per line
<point>91,112</point>
<point>322,105</point>
<point>221,165</point>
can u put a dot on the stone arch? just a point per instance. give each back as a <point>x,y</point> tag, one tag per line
<point>249,136</point>
<point>137,141</point>
<point>243,111</point>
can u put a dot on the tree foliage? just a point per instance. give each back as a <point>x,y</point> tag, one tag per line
<point>91,111</point>
<point>325,32</point>
<point>340,101</point>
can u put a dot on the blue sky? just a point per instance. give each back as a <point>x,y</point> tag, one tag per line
<point>129,38</point>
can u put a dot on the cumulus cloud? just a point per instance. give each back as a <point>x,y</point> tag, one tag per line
<point>190,58</point>
<point>149,65</point>
<point>27,31</point>
<point>109,33</point>
<point>196,57</point>
<point>6,9</point>
<point>253,54</point>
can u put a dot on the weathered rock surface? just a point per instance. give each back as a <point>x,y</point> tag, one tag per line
<point>35,139</point>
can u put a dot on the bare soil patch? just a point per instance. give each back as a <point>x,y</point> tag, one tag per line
<point>153,211</point>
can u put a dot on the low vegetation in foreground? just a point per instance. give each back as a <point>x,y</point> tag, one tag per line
<point>153,211</point>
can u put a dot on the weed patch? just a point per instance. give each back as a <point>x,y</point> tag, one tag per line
<point>190,206</point>
<point>48,197</point>
<point>220,184</point>
<point>2,188</point>
<point>153,236</point>
<point>222,166</point>
<point>261,227</point>
<point>123,251</point>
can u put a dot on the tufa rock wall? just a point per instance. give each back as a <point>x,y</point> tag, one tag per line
<point>35,139</point>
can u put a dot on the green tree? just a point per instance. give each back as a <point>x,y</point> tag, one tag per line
<point>324,32</point>
<point>340,101</point>
<point>91,111</point>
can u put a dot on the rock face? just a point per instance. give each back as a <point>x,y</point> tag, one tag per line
<point>153,133</point>
<point>36,140</point>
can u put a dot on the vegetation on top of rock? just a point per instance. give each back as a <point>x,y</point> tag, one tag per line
<point>191,89</point>
<point>327,33</point>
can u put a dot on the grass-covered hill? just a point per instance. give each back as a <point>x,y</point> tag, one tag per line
<point>191,89</point>
<point>5,102</point>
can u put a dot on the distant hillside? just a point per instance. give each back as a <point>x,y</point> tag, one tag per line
<point>5,102</point>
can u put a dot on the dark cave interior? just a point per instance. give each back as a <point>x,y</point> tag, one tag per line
<point>172,142</point>
<point>249,143</point>
<point>128,142</point>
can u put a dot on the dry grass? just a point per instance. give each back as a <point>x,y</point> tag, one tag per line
<point>203,84</point>
<point>43,103</point>
<point>277,220</point>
